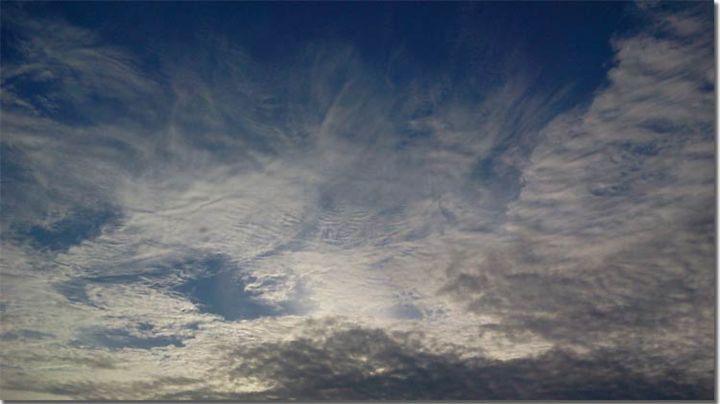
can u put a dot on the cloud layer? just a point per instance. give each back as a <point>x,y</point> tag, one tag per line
<point>224,226</point>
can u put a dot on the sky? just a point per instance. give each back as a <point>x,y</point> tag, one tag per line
<point>252,201</point>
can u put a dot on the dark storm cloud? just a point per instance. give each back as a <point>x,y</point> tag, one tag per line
<point>601,375</point>
<point>369,364</point>
<point>358,363</point>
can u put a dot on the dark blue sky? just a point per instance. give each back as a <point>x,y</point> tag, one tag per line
<point>561,41</point>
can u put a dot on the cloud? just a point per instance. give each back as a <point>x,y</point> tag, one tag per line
<point>611,241</point>
<point>320,229</point>
<point>361,363</point>
<point>369,364</point>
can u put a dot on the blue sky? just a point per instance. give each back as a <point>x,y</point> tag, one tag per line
<point>224,200</point>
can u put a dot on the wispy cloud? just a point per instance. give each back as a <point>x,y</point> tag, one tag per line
<point>317,229</point>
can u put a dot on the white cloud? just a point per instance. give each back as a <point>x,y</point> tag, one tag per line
<point>315,192</point>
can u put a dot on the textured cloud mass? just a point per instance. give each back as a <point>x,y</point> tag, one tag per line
<point>194,219</point>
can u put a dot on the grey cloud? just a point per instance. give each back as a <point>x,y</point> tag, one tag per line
<point>91,391</point>
<point>252,197</point>
<point>611,241</point>
<point>119,339</point>
<point>361,364</point>
<point>23,334</point>
<point>370,364</point>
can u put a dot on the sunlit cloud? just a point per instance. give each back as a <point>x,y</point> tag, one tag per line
<point>205,220</point>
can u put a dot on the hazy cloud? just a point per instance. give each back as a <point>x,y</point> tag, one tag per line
<point>218,225</point>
